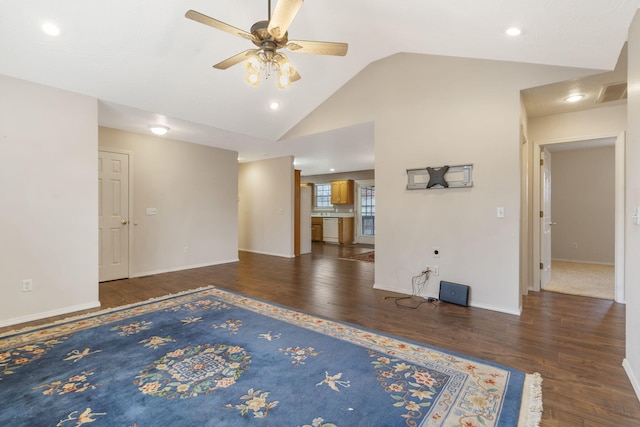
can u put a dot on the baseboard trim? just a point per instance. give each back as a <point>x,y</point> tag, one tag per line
<point>267,253</point>
<point>51,313</point>
<point>583,262</point>
<point>180,268</point>
<point>517,312</point>
<point>632,377</point>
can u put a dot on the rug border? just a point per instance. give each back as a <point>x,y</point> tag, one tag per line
<point>531,401</point>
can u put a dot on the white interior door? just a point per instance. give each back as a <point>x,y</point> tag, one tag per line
<point>365,212</point>
<point>545,220</point>
<point>113,215</point>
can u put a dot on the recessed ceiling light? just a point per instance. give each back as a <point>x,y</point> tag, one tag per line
<point>159,129</point>
<point>332,170</point>
<point>51,29</point>
<point>513,31</point>
<point>274,105</point>
<point>574,98</point>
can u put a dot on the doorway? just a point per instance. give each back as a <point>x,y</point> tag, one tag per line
<point>545,223</point>
<point>113,215</point>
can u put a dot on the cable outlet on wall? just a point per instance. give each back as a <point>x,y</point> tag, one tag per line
<point>27,285</point>
<point>436,252</point>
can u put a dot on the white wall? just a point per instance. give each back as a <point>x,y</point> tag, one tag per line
<point>194,189</point>
<point>583,205</point>
<point>265,206</point>
<point>632,231</point>
<point>49,222</point>
<point>435,111</point>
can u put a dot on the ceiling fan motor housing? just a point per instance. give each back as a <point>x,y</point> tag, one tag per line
<point>264,39</point>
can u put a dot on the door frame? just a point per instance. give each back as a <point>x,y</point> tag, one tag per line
<point>130,201</point>
<point>619,207</point>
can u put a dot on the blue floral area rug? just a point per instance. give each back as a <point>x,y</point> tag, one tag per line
<point>214,358</point>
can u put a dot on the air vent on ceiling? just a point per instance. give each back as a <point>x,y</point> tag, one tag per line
<point>613,92</point>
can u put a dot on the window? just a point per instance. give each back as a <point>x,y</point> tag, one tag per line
<point>368,210</point>
<point>323,196</point>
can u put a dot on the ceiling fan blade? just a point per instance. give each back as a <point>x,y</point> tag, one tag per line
<point>207,20</point>
<point>282,17</point>
<point>318,48</point>
<point>229,62</point>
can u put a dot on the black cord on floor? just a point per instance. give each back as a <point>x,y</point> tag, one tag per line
<point>423,300</point>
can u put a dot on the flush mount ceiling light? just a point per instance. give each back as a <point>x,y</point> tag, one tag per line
<point>159,129</point>
<point>513,31</point>
<point>270,36</point>
<point>574,98</point>
<point>51,29</point>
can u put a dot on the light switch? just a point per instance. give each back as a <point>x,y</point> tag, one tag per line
<point>500,212</point>
<point>635,215</point>
<point>152,211</point>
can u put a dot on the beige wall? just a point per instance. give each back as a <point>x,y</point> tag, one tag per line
<point>632,231</point>
<point>49,222</point>
<point>443,111</point>
<point>194,189</point>
<point>587,124</point>
<point>582,205</point>
<point>265,206</point>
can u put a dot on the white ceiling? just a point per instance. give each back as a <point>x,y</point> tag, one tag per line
<point>147,63</point>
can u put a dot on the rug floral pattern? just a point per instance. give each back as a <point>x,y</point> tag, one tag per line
<point>213,357</point>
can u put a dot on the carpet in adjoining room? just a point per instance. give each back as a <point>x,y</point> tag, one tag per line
<point>215,358</point>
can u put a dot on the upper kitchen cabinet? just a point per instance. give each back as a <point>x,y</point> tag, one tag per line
<point>342,192</point>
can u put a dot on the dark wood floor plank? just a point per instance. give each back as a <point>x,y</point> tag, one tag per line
<point>575,343</point>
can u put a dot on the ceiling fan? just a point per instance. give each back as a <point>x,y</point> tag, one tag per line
<point>270,36</point>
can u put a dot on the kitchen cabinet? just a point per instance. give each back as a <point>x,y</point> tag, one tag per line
<point>345,230</point>
<point>316,229</point>
<point>342,192</point>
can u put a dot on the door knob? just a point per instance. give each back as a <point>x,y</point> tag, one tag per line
<point>125,222</point>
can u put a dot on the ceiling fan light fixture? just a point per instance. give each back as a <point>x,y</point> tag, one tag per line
<point>253,79</point>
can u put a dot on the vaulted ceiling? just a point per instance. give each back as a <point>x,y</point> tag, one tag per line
<point>147,63</point>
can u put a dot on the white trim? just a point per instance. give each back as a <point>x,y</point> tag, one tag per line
<point>253,251</point>
<point>180,268</point>
<point>633,378</point>
<point>584,262</point>
<point>619,206</point>
<point>51,313</point>
<point>471,304</point>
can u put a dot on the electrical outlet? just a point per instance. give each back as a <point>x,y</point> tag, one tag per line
<point>27,285</point>
<point>435,270</point>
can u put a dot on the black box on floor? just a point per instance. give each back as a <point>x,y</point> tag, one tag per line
<point>454,293</point>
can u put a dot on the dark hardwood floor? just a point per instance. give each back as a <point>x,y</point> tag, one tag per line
<point>575,343</point>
